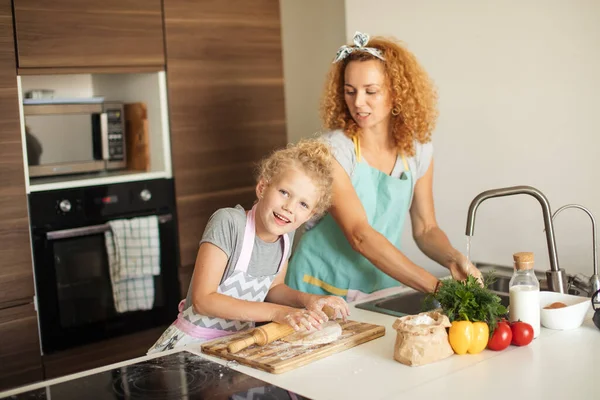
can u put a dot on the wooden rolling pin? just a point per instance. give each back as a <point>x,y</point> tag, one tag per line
<point>262,335</point>
<point>268,333</point>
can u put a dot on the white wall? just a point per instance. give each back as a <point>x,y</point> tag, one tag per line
<point>518,83</point>
<point>312,31</point>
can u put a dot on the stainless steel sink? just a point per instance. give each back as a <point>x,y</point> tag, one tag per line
<point>409,303</point>
<point>500,285</point>
<point>412,302</point>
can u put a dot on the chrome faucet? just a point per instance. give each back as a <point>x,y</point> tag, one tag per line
<point>593,285</point>
<point>556,277</point>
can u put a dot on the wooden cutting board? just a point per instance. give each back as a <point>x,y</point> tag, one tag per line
<point>280,356</point>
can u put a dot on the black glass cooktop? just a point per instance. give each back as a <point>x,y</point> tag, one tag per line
<point>176,376</point>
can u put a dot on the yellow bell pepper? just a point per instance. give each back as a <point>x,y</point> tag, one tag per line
<point>481,335</point>
<point>467,336</point>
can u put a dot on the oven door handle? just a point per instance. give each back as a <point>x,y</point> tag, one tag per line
<point>92,230</point>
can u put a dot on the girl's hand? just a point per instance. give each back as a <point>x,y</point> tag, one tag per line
<point>335,303</point>
<point>299,318</point>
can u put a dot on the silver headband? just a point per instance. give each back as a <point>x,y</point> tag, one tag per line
<point>360,41</point>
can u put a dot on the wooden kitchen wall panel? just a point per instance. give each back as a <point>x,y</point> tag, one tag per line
<point>197,211</point>
<point>256,12</point>
<point>247,107</point>
<point>16,272</point>
<point>99,354</point>
<point>90,33</point>
<point>225,82</point>
<point>204,178</point>
<point>237,34</point>
<point>12,179</point>
<point>226,105</point>
<point>20,359</point>
<point>232,125</point>
<point>225,64</point>
<point>211,147</point>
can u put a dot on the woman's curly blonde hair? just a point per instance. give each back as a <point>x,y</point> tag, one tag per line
<point>311,156</point>
<point>412,95</point>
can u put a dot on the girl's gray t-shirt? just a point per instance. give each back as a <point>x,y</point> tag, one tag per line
<point>225,229</point>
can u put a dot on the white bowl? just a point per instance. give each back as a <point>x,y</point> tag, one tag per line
<point>569,317</point>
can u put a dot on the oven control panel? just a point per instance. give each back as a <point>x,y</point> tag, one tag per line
<point>97,204</point>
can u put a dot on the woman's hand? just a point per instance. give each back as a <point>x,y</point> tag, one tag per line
<point>463,268</point>
<point>337,305</point>
<point>299,318</point>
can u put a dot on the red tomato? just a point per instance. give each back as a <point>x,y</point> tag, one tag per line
<point>501,337</point>
<point>522,333</point>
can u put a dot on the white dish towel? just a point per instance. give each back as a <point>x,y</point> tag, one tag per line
<point>133,249</point>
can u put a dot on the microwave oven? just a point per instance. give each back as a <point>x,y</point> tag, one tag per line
<point>74,138</point>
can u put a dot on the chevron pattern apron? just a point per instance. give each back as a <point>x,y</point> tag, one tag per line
<point>190,327</point>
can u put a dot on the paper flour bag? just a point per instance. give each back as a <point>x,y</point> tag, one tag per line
<point>422,338</point>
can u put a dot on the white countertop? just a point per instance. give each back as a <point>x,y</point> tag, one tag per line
<point>558,364</point>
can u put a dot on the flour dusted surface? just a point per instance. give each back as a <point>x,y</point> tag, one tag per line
<point>331,332</point>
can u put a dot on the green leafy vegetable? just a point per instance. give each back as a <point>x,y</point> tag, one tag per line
<point>468,301</point>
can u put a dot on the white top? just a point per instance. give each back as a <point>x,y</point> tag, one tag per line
<point>557,365</point>
<point>343,151</point>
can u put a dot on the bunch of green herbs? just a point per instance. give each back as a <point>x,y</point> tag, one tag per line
<point>469,301</point>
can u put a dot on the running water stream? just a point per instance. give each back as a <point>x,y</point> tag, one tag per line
<point>469,248</point>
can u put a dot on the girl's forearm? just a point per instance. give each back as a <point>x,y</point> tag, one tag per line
<point>227,307</point>
<point>285,295</point>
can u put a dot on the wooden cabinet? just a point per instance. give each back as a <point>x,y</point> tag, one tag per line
<point>225,87</point>
<point>20,359</point>
<point>226,103</point>
<point>89,33</point>
<point>99,354</point>
<point>16,272</point>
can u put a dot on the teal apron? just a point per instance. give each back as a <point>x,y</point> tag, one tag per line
<point>325,263</point>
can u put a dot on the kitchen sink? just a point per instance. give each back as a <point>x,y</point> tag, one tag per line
<point>409,303</point>
<point>413,302</point>
<point>500,285</point>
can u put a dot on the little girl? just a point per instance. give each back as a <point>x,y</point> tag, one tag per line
<point>242,259</point>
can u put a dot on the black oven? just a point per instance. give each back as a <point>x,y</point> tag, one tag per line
<point>73,286</point>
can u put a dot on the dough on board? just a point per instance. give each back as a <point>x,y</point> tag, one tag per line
<point>331,332</point>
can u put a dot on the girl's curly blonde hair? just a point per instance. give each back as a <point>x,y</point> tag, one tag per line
<point>311,156</point>
<point>412,95</point>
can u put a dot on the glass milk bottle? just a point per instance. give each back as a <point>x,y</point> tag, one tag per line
<point>524,293</point>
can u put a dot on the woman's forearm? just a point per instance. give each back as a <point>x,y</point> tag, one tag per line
<point>222,306</point>
<point>435,244</point>
<point>385,256</point>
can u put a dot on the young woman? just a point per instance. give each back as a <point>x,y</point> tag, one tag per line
<point>379,107</point>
